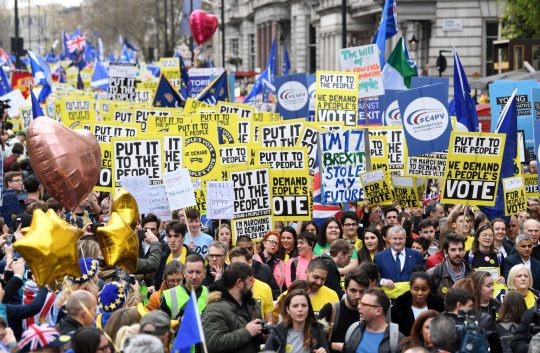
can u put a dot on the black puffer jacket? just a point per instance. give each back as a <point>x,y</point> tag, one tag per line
<point>277,341</point>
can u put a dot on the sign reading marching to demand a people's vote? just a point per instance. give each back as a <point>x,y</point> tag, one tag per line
<point>365,62</point>
<point>515,199</point>
<point>427,165</point>
<point>122,82</point>
<point>341,160</point>
<point>292,96</point>
<point>408,190</point>
<point>473,168</point>
<point>425,119</point>
<point>252,203</point>
<point>377,187</point>
<point>309,139</point>
<point>289,181</point>
<point>336,97</point>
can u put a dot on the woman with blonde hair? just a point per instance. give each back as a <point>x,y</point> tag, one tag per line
<point>520,279</point>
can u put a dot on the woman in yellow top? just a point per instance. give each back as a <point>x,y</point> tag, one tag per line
<point>520,279</point>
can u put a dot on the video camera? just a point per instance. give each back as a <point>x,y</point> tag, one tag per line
<point>470,337</point>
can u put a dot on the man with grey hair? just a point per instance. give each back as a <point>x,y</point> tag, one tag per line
<point>144,344</point>
<point>531,227</point>
<point>81,308</point>
<point>442,330</point>
<point>397,263</point>
<point>523,255</point>
<point>217,253</point>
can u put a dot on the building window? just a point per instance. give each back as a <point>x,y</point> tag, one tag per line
<point>492,33</point>
<point>252,52</point>
<point>235,47</point>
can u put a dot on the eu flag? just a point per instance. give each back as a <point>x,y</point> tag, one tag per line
<point>464,106</point>
<point>190,331</point>
<point>36,108</point>
<point>217,90</point>
<point>510,164</point>
<point>167,96</point>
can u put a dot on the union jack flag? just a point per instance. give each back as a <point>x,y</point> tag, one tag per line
<point>38,336</point>
<point>76,43</point>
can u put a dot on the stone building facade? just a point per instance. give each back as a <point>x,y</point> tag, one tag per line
<point>312,30</point>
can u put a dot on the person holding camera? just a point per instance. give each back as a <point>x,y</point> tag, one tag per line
<point>299,331</point>
<point>232,319</point>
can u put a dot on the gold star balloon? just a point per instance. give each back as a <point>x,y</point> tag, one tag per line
<point>125,205</point>
<point>119,243</point>
<point>49,247</point>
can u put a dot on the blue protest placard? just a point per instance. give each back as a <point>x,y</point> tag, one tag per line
<point>292,96</point>
<point>199,79</point>
<point>425,119</point>
<point>499,92</point>
<point>419,81</point>
<point>373,109</point>
<point>391,116</point>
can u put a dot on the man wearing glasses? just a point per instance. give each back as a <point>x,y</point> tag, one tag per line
<point>373,333</point>
<point>174,300</point>
<point>11,207</point>
<point>216,263</point>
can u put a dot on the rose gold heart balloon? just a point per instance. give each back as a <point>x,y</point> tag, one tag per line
<point>67,162</point>
<point>202,26</point>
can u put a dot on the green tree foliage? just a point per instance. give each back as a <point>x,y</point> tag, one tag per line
<point>521,19</point>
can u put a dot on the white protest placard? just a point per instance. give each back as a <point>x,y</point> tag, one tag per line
<point>179,189</point>
<point>364,60</point>
<point>159,202</point>
<point>219,199</point>
<point>122,79</point>
<point>137,186</point>
<point>16,101</point>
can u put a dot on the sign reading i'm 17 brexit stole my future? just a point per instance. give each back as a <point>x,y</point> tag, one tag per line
<point>425,119</point>
<point>473,169</point>
<point>336,97</point>
<point>341,161</point>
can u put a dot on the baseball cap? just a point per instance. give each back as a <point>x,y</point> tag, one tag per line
<point>155,323</point>
<point>37,337</point>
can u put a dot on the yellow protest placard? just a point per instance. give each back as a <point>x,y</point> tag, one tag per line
<point>379,153</point>
<point>473,168</point>
<point>289,181</point>
<point>281,133</point>
<point>193,106</point>
<point>406,191</point>
<point>105,174</point>
<point>243,110</point>
<point>515,199</point>
<point>377,187</point>
<point>531,184</point>
<point>156,124</point>
<point>25,118</point>
<point>227,122</point>
<point>397,149</point>
<point>141,114</point>
<point>336,97</point>
<point>252,202</point>
<point>170,68</point>
<point>77,111</point>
